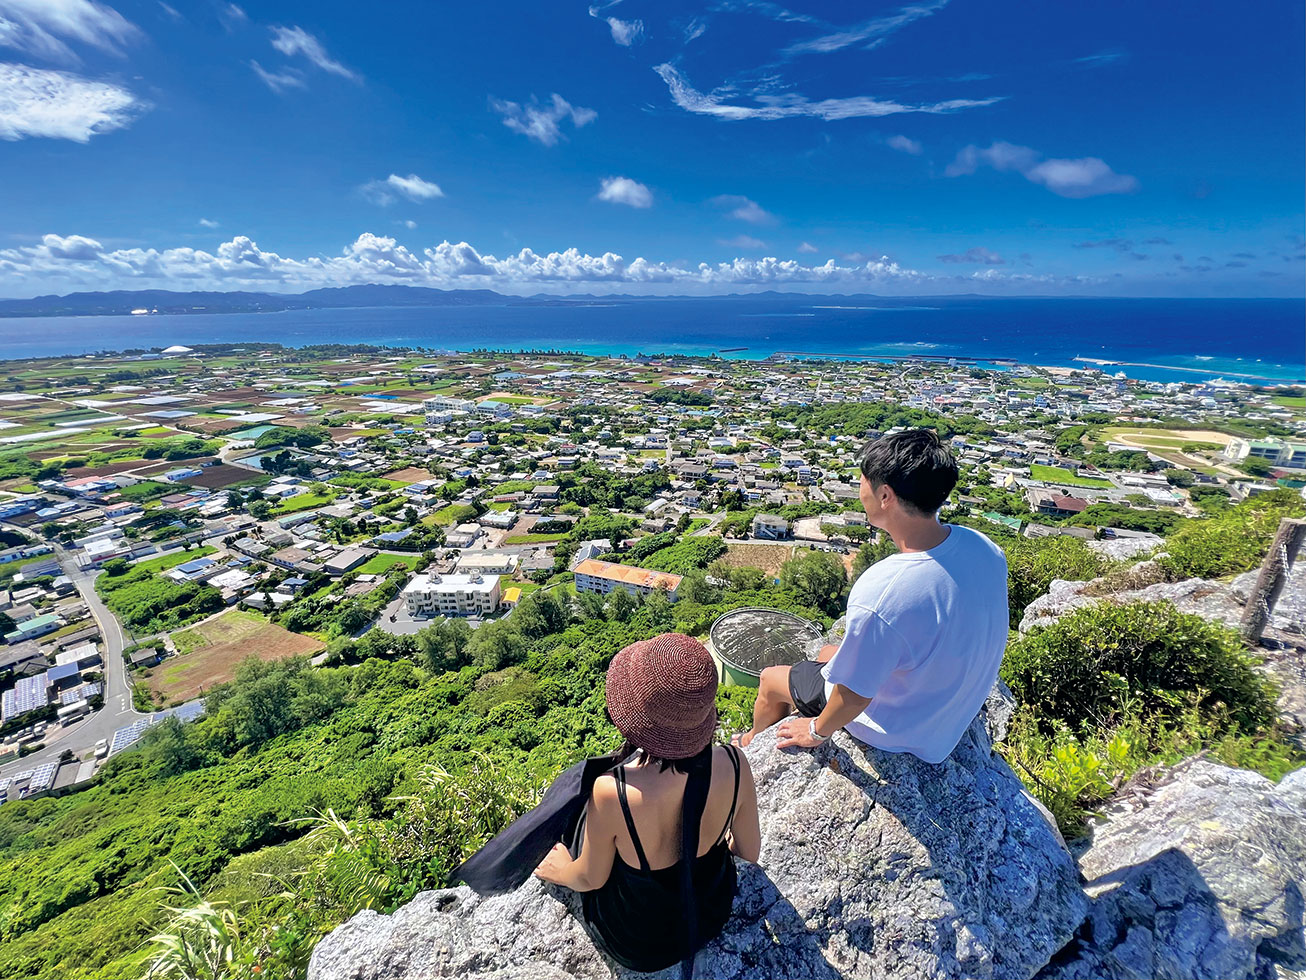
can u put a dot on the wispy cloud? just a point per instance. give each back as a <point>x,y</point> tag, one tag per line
<point>292,41</point>
<point>232,16</point>
<point>905,144</point>
<point>791,105</point>
<point>170,11</point>
<point>44,28</point>
<point>623,190</point>
<point>208,223</point>
<point>36,102</point>
<point>1101,59</point>
<point>867,34</point>
<point>280,81</point>
<point>626,32</point>
<point>412,188</point>
<point>979,255</point>
<point>542,121</point>
<point>743,209</point>
<point>807,248</point>
<point>1084,177</point>
<point>743,241</point>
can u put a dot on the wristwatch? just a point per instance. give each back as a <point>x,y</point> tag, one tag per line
<point>811,730</point>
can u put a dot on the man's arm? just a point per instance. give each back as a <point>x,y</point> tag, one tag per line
<point>842,707</point>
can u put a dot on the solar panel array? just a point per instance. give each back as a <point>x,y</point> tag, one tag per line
<point>43,777</point>
<point>83,693</point>
<point>27,695</point>
<point>125,738</point>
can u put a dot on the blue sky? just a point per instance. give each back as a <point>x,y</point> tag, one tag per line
<point>645,146</point>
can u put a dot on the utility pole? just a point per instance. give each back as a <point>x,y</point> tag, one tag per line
<point>1278,563</point>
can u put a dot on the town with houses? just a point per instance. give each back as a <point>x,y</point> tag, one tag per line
<point>166,514</point>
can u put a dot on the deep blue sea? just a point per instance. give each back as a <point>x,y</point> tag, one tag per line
<point>1260,338</point>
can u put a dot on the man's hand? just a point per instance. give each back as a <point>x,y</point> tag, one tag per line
<point>795,733</point>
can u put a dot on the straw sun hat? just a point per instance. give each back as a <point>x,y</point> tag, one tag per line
<point>662,695</point>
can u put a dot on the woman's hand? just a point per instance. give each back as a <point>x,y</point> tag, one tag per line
<point>556,866</point>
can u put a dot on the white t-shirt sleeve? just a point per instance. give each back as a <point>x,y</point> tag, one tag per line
<point>871,650</point>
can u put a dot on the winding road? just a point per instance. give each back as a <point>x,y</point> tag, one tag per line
<point>117,711</point>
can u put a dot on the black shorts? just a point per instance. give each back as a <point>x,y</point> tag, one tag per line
<point>807,688</point>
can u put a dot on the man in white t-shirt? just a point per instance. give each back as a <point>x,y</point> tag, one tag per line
<point>926,627</point>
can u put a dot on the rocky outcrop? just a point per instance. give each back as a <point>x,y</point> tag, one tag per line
<point>1205,879</point>
<point>872,864</point>
<point>1210,600</point>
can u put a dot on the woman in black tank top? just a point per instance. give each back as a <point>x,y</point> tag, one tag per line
<point>672,896</point>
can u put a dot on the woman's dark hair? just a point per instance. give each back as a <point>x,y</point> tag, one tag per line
<point>916,464</point>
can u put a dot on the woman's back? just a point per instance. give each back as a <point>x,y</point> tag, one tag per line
<point>656,797</point>
<point>639,915</point>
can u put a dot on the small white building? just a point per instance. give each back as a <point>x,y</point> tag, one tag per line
<point>433,594</point>
<point>463,536</point>
<point>770,527</point>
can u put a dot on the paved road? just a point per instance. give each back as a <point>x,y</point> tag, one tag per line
<point>117,711</point>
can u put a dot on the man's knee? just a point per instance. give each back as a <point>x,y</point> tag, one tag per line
<point>774,683</point>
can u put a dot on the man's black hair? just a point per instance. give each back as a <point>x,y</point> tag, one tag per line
<point>916,464</point>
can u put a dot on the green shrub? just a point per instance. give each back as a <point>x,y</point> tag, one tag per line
<point>1232,541</point>
<point>1032,564</point>
<point>1099,664</point>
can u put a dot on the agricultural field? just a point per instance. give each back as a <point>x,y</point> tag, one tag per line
<point>1055,474</point>
<point>410,474</point>
<point>533,538</point>
<point>767,557</point>
<point>209,652</point>
<point>450,515</point>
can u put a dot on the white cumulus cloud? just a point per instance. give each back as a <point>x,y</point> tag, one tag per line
<point>60,105</point>
<point>905,144</point>
<point>788,105</point>
<point>1084,177</point>
<point>292,41</point>
<point>44,27</point>
<point>623,190</point>
<point>743,209</point>
<point>541,121</point>
<point>75,261</point>
<point>413,188</point>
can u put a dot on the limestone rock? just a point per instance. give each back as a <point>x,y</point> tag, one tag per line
<point>1210,600</point>
<point>1122,548</point>
<point>1206,880</point>
<point>872,864</point>
<point>1289,612</point>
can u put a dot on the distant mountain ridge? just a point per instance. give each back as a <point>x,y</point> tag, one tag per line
<point>121,301</point>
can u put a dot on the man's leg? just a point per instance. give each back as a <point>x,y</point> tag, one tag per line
<point>773,701</point>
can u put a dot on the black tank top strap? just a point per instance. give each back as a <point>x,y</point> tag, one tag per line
<point>731,751</point>
<point>620,774</point>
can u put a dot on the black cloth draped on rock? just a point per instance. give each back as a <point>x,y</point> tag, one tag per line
<point>644,918</point>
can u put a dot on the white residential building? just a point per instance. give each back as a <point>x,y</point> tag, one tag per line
<point>770,527</point>
<point>433,594</point>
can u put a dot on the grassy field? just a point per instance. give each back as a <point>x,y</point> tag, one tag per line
<point>210,652</point>
<point>533,538</point>
<point>381,563</point>
<point>1290,401</point>
<point>450,515</point>
<point>1162,438</point>
<point>1054,474</point>
<point>305,501</point>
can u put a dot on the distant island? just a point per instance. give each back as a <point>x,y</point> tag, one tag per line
<point>120,302</point>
